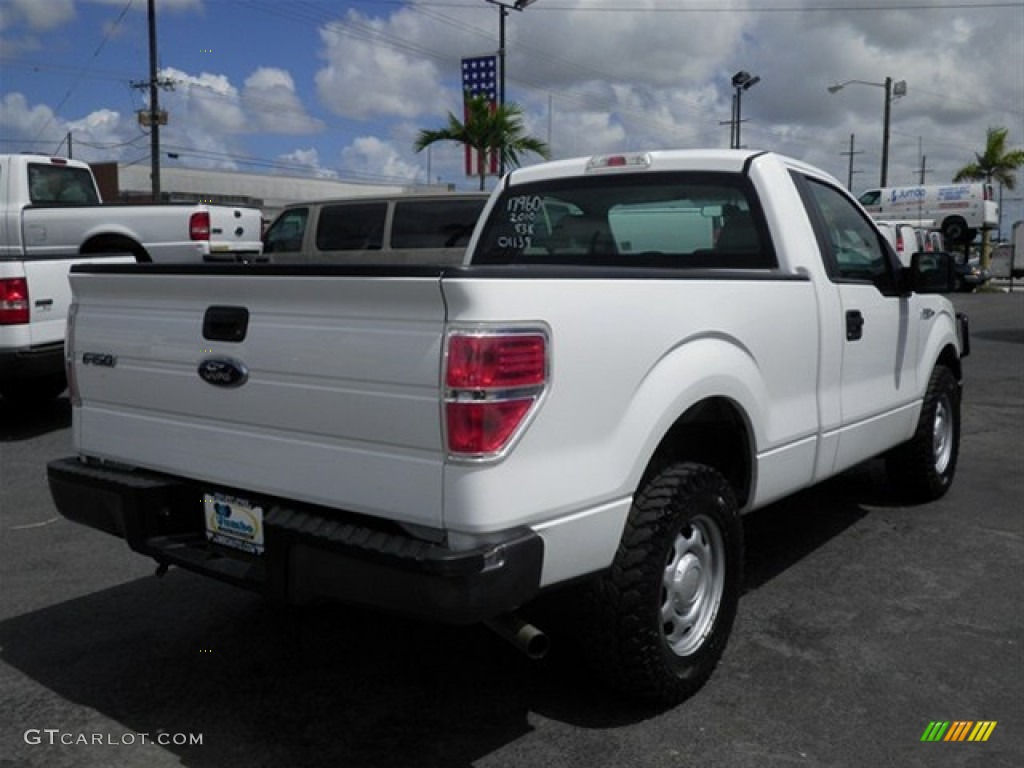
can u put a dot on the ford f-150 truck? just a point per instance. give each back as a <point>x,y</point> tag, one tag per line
<point>637,349</point>
<point>50,218</point>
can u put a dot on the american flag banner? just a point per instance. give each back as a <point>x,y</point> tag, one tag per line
<point>479,78</point>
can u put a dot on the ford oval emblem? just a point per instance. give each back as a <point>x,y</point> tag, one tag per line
<point>223,372</point>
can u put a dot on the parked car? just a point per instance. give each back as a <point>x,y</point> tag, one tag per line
<point>969,273</point>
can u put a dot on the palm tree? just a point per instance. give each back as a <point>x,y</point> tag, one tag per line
<point>486,129</point>
<point>996,163</point>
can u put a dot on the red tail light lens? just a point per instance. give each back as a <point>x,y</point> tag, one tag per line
<point>483,362</point>
<point>478,429</point>
<point>492,382</point>
<point>13,301</point>
<point>199,226</point>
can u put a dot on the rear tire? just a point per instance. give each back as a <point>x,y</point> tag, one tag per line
<point>658,620</point>
<point>922,469</point>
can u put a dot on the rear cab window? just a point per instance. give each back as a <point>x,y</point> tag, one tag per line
<point>674,220</point>
<point>60,185</point>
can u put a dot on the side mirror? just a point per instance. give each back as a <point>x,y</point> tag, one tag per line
<point>931,273</point>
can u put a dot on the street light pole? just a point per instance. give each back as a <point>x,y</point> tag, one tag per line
<point>741,81</point>
<point>885,132</point>
<point>892,91</point>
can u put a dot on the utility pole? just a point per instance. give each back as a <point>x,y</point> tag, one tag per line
<point>154,107</point>
<point>850,171</point>
<point>70,156</point>
<point>924,161</point>
<point>153,117</point>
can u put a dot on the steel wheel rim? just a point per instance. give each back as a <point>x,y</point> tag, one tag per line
<point>692,585</point>
<point>942,435</point>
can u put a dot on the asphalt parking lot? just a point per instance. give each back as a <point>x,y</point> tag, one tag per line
<point>862,622</point>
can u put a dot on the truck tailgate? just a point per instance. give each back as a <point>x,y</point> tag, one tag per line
<point>340,406</point>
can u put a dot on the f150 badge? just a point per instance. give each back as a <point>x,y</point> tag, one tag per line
<point>223,372</point>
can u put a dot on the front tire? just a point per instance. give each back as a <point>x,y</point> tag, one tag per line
<point>922,469</point>
<point>661,616</point>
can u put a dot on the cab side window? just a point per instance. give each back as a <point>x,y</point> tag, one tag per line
<point>351,227</point>
<point>855,247</point>
<point>285,234</point>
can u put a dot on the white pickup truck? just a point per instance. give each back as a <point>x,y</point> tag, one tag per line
<point>638,348</point>
<point>50,218</point>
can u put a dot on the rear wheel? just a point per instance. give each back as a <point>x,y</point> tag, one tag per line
<point>660,618</point>
<point>922,469</point>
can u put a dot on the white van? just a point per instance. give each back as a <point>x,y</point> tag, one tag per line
<point>957,210</point>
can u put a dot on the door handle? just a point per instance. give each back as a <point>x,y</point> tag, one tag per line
<point>854,324</point>
<point>225,323</point>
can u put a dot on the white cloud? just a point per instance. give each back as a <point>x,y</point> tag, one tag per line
<point>269,97</point>
<point>307,160</point>
<point>205,102</point>
<point>36,14</point>
<point>375,160</point>
<point>365,77</point>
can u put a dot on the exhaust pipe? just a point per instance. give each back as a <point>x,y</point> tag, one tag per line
<point>526,637</point>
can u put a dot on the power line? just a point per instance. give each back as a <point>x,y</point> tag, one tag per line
<point>78,80</point>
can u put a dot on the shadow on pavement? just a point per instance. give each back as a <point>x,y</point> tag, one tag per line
<point>22,422</point>
<point>273,685</point>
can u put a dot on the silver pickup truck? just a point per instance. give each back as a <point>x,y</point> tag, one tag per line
<point>637,349</point>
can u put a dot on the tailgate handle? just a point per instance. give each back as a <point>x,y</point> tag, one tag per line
<point>225,323</point>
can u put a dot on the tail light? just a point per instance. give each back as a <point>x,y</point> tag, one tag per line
<point>988,192</point>
<point>493,380</point>
<point>13,301</point>
<point>899,241</point>
<point>199,226</point>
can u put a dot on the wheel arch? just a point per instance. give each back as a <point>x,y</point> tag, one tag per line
<point>115,243</point>
<point>715,432</point>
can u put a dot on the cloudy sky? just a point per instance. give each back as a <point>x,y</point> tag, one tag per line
<point>328,87</point>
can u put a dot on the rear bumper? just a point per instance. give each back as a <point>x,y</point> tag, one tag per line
<point>32,362</point>
<point>310,552</point>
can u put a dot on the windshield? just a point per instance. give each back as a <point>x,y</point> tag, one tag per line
<point>674,220</point>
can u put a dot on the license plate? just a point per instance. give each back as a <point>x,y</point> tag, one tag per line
<point>233,522</point>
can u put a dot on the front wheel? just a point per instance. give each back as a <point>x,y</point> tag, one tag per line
<point>660,617</point>
<point>922,469</point>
